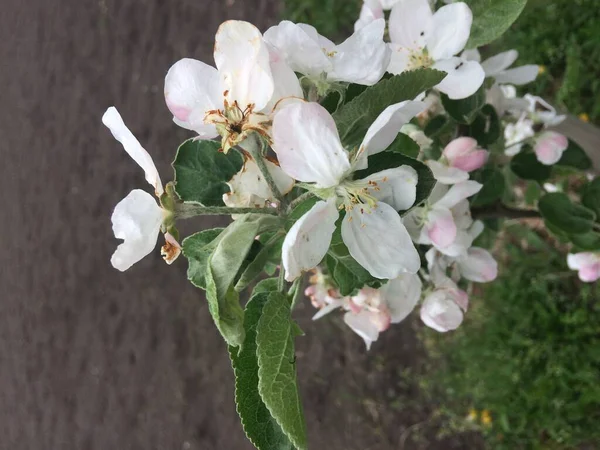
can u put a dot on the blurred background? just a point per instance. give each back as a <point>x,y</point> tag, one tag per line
<point>91,358</point>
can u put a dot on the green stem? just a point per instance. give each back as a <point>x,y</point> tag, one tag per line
<point>299,199</point>
<point>256,146</point>
<point>501,211</point>
<point>187,211</point>
<point>281,279</point>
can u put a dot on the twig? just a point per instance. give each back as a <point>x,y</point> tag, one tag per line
<point>499,210</point>
<point>188,210</point>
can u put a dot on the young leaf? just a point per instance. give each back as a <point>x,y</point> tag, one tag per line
<point>354,118</point>
<point>404,145</point>
<point>277,382</point>
<point>486,129</point>
<point>201,171</point>
<point>465,110</point>
<point>557,209</point>
<point>197,248</point>
<point>575,156</point>
<point>389,159</point>
<point>270,252</point>
<point>525,165</point>
<point>260,427</point>
<point>491,18</point>
<point>493,186</point>
<point>591,196</point>
<point>589,241</point>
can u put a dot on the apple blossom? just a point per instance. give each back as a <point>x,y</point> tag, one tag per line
<point>459,157</point>
<point>138,219</point>
<point>549,147</point>
<point>442,310</point>
<point>236,97</point>
<point>516,133</point>
<point>477,265</point>
<point>498,67</point>
<point>308,147</point>
<point>362,58</point>
<point>587,264</point>
<point>421,38</point>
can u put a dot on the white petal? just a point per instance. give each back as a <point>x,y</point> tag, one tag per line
<point>445,174</point>
<point>549,147</point>
<point>577,261</point>
<point>440,227</point>
<point>519,75</point>
<point>413,223</point>
<point>285,81</point>
<point>242,58</point>
<point>440,312</point>
<point>450,31</point>
<point>362,325</point>
<point>379,241</point>
<point>500,62</point>
<point>329,307</point>
<point>248,187</point>
<point>363,58</point>
<point>308,146</point>
<point>112,119</point>
<point>370,11</point>
<point>464,77</point>
<point>308,240</point>
<point>300,48</point>
<point>402,295</point>
<point>386,127</point>
<point>478,265</point>
<point>396,187</point>
<point>137,220</point>
<point>193,88</point>
<point>458,192</point>
<point>410,22</point>
<point>400,59</point>
<point>471,55</point>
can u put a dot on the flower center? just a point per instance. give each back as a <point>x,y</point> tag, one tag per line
<point>357,193</point>
<point>419,58</point>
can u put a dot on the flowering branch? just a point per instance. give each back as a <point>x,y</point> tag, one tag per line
<point>256,146</point>
<point>499,210</point>
<point>187,211</point>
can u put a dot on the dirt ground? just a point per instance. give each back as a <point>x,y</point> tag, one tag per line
<point>91,358</point>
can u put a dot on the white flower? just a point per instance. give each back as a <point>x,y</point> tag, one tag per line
<point>137,219</point>
<point>477,265</point>
<point>587,264</point>
<point>443,309</point>
<point>362,58</point>
<point>421,38</point>
<point>497,67</point>
<point>549,147</point>
<point>236,97</point>
<point>308,148</point>
<point>540,111</point>
<point>517,132</point>
<point>460,156</point>
<point>445,220</point>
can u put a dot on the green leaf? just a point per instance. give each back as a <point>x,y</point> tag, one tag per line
<point>589,241</point>
<point>558,210</point>
<point>197,248</point>
<point>575,156</point>
<point>355,117</point>
<point>270,252</point>
<point>486,129</point>
<point>389,160</point>
<point>334,99</point>
<point>437,126</point>
<point>266,285</point>
<point>533,192</point>
<point>404,145</point>
<point>491,18</point>
<point>465,110</point>
<point>525,165</point>
<point>277,382</point>
<point>223,265</point>
<point>260,427</point>
<point>591,196</point>
<point>299,211</point>
<point>493,186</point>
<point>201,171</point>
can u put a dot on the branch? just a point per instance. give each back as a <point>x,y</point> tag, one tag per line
<point>187,211</point>
<point>499,210</point>
<point>254,145</point>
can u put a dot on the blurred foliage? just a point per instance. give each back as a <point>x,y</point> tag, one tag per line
<point>332,18</point>
<point>524,366</point>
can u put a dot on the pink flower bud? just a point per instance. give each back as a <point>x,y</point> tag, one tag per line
<point>588,265</point>
<point>549,147</point>
<point>440,312</point>
<point>464,154</point>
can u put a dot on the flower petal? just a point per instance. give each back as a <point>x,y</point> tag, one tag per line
<point>440,227</point>
<point>308,146</point>
<point>549,147</point>
<point>363,325</point>
<point>399,60</point>
<point>450,31</point>
<point>378,240</point>
<point>500,62</point>
<point>112,119</point>
<point>286,83</point>
<point>402,295</point>
<point>440,312</point>
<point>577,261</point>
<point>464,77</point>
<point>409,23</point>
<point>458,192</point>
<point>363,58</point>
<point>300,47</point>
<point>137,220</point>
<point>386,127</point>
<point>308,240</point>
<point>396,187</point>
<point>519,75</point>
<point>471,54</point>
<point>478,265</point>
<point>459,147</point>
<point>242,58</point>
<point>445,174</point>
<point>370,11</point>
<point>193,88</point>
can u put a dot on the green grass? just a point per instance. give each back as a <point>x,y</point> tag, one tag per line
<point>528,352</point>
